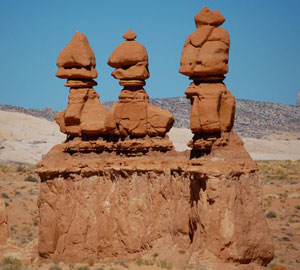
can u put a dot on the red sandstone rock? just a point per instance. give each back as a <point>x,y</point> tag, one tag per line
<point>77,59</point>
<point>85,115</point>
<point>129,35</point>
<point>210,17</point>
<point>133,115</point>
<point>138,71</point>
<point>205,52</point>
<point>128,53</point>
<point>200,36</point>
<point>204,59</point>
<point>100,206</point>
<point>93,115</point>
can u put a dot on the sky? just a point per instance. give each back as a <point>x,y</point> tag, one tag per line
<point>264,59</point>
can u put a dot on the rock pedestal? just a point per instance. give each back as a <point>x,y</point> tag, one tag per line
<point>190,211</point>
<point>85,114</point>
<point>204,59</point>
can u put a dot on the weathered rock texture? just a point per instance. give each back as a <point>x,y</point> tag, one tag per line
<point>125,193</point>
<point>85,114</point>
<point>132,116</point>
<point>4,227</point>
<point>106,206</point>
<point>204,59</point>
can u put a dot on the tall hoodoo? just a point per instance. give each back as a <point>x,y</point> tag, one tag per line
<point>204,59</point>
<point>85,114</point>
<point>133,116</point>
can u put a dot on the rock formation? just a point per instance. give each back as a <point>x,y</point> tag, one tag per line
<point>132,116</point>
<point>193,211</point>
<point>85,114</point>
<point>204,59</point>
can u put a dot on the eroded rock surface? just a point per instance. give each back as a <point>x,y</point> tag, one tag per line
<point>106,206</point>
<point>132,115</point>
<point>85,115</point>
<point>117,189</point>
<point>204,59</point>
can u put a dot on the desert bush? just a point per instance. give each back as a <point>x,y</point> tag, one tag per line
<point>285,238</point>
<point>85,267</point>
<point>271,214</point>
<point>297,207</point>
<point>164,264</point>
<point>21,169</point>
<point>31,178</point>
<point>5,195</point>
<point>55,267</point>
<point>10,263</point>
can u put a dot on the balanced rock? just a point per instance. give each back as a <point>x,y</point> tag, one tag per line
<point>85,115</point>
<point>132,115</point>
<point>205,51</point>
<point>204,59</point>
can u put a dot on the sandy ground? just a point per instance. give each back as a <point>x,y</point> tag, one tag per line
<point>25,139</point>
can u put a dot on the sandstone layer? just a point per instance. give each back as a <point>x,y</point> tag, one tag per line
<point>96,206</point>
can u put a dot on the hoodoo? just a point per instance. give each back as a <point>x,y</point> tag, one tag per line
<point>85,114</point>
<point>117,189</point>
<point>204,59</point>
<point>132,116</point>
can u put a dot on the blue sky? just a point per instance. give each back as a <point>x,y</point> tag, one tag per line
<point>264,61</point>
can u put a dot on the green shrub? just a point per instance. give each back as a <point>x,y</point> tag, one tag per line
<point>271,214</point>
<point>83,267</point>
<point>297,207</point>
<point>55,267</point>
<point>10,263</point>
<point>164,264</point>
<point>31,178</point>
<point>21,169</point>
<point>5,195</point>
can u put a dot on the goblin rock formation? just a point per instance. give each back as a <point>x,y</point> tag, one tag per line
<point>133,116</point>
<point>85,114</point>
<point>206,211</point>
<point>204,59</point>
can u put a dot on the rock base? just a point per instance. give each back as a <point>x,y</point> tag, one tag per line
<point>189,211</point>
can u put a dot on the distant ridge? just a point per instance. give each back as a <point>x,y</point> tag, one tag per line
<point>253,118</point>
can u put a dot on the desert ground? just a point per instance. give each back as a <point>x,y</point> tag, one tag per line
<point>25,139</point>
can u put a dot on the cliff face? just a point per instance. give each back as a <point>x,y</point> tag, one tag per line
<point>106,205</point>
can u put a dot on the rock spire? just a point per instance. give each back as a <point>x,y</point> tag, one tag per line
<point>85,114</point>
<point>132,115</point>
<point>204,59</point>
